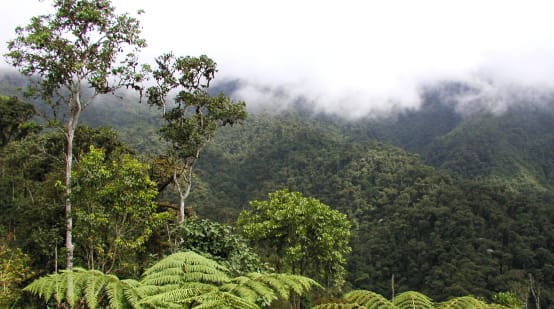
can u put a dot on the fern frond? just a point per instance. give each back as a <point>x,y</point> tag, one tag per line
<point>368,299</point>
<point>93,289</point>
<point>173,297</point>
<point>46,287</point>
<point>463,303</point>
<point>80,285</point>
<point>185,267</point>
<point>250,288</point>
<point>412,300</point>
<point>264,288</point>
<point>131,292</point>
<point>116,297</point>
<point>339,306</point>
<point>219,299</point>
<point>284,284</point>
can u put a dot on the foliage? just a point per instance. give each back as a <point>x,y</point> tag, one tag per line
<point>81,45</point>
<point>14,270</point>
<point>115,208</point>
<point>508,299</point>
<point>299,235</point>
<point>82,288</point>
<point>422,221</point>
<point>192,122</point>
<point>29,197</point>
<point>181,279</point>
<point>406,300</point>
<point>442,235</point>
<point>15,117</point>
<point>219,242</point>
<point>82,42</point>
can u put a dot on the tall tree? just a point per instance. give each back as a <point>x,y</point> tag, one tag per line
<point>194,118</point>
<point>83,45</point>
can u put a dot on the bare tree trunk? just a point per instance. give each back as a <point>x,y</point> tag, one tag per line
<point>68,216</point>
<point>392,287</point>
<point>183,192</point>
<point>74,110</point>
<point>534,289</point>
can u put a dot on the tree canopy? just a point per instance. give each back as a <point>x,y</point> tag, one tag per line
<point>83,45</point>
<point>299,235</point>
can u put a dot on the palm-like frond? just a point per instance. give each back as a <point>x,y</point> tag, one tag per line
<point>88,286</point>
<point>92,290</point>
<point>181,279</point>
<point>173,298</point>
<point>220,299</point>
<point>368,299</point>
<point>407,300</point>
<point>412,300</point>
<point>185,267</point>
<point>264,288</point>
<point>48,287</point>
<point>339,306</point>
<point>467,302</point>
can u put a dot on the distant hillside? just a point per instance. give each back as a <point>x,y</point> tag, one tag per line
<point>450,204</point>
<point>513,147</point>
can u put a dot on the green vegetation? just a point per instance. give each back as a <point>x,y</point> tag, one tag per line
<point>83,46</point>
<point>459,207</point>
<point>180,280</point>
<point>407,300</point>
<point>299,235</point>
<point>192,122</point>
<point>14,270</point>
<point>115,209</point>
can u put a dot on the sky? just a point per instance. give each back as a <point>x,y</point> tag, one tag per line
<point>349,57</point>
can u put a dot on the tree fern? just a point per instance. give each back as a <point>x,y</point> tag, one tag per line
<point>407,300</point>
<point>339,306</point>
<point>185,267</point>
<point>467,302</point>
<point>184,279</point>
<point>412,300</point>
<point>368,299</point>
<point>90,287</point>
<point>264,288</point>
<point>190,278</point>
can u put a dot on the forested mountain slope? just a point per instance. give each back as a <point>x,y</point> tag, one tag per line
<point>512,147</point>
<point>434,232</point>
<point>448,203</point>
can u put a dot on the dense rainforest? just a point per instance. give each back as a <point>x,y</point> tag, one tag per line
<point>439,200</point>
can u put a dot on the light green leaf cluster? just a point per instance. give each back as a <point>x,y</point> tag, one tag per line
<point>181,279</point>
<point>115,209</point>
<point>14,269</point>
<point>302,235</point>
<point>81,286</point>
<point>406,300</point>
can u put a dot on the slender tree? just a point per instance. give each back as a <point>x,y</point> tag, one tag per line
<point>194,118</point>
<point>80,51</point>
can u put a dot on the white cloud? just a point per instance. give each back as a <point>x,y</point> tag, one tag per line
<point>355,56</point>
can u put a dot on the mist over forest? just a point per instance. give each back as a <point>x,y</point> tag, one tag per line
<point>369,158</point>
<point>454,197</point>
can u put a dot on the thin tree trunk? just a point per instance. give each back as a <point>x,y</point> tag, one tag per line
<point>74,110</point>
<point>68,216</point>
<point>183,193</point>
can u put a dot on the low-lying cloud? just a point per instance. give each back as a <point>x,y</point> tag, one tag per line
<point>354,58</point>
